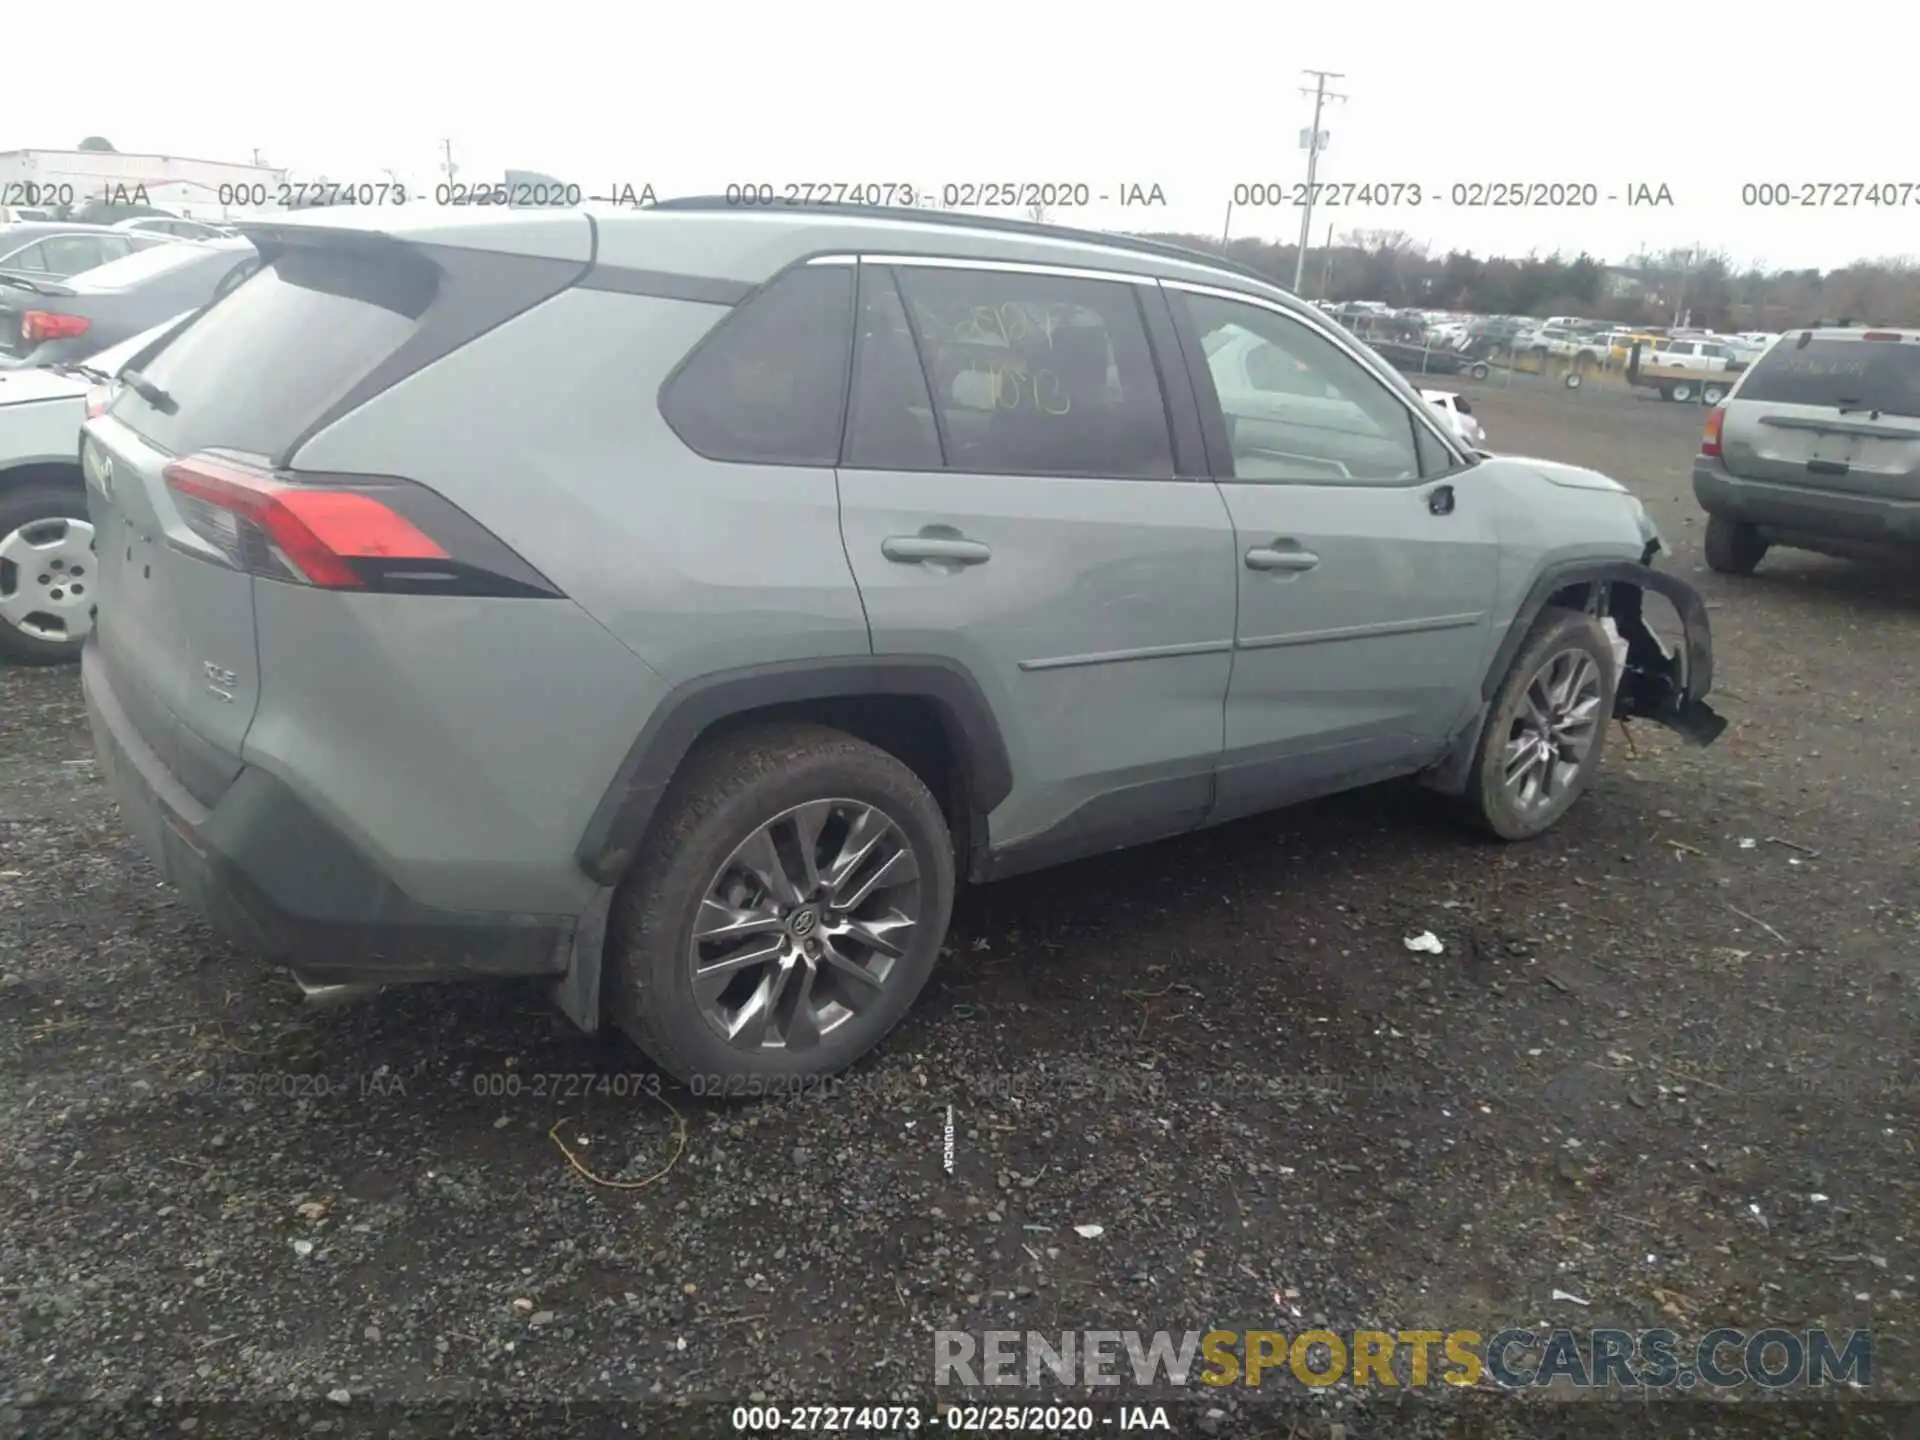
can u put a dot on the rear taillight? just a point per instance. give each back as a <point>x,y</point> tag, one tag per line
<point>1710,441</point>
<point>344,532</point>
<point>38,326</point>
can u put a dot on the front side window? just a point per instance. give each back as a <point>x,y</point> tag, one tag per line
<point>1338,423</point>
<point>1035,374</point>
<point>768,385</point>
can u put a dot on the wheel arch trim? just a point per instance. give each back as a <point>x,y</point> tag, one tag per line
<point>619,822</point>
<point>1697,644</point>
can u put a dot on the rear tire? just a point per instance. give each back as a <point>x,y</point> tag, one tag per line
<point>1682,392</point>
<point>32,514</point>
<point>741,808</point>
<point>1733,546</point>
<point>1480,371</point>
<point>1548,724</point>
<point>1712,394</point>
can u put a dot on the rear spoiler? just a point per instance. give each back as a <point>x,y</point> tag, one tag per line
<point>14,280</point>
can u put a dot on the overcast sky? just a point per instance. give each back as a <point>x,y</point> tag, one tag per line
<point>1194,97</point>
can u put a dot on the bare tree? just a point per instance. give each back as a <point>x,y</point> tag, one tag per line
<point>1037,213</point>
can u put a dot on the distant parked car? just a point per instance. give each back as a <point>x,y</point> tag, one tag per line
<point>55,249</point>
<point>43,321</point>
<point>46,589</point>
<point>175,227</point>
<point>1458,412</point>
<point>1817,448</point>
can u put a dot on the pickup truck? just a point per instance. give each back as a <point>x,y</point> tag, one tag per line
<point>1582,349</point>
<point>1684,370</point>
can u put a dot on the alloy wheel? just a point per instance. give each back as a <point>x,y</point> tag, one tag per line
<point>1553,731</point>
<point>804,924</point>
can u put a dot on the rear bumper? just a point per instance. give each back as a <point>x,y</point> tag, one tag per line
<point>272,876</point>
<point>1788,510</point>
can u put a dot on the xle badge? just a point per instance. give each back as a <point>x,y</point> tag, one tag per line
<point>220,680</point>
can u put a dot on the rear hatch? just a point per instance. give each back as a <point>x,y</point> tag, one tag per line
<point>1837,413</point>
<point>248,378</point>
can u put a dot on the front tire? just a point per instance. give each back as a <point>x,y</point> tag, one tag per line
<point>1733,547</point>
<point>1682,392</point>
<point>46,575</point>
<point>786,910</point>
<point>1547,729</point>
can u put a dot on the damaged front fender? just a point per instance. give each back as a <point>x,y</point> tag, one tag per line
<point>1666,686</point>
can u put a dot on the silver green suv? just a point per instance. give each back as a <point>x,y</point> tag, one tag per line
<point>679,603</point>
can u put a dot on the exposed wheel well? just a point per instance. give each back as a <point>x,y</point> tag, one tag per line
<point>915,730</point>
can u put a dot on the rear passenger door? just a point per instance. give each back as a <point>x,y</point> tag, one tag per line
<point>1023,494</point>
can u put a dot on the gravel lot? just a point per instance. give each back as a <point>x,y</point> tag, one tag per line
<point>1653,1039</point>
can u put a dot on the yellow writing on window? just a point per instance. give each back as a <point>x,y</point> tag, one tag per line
<point>1014,387</point>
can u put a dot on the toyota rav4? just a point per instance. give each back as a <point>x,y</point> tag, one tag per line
<point>679,603</point>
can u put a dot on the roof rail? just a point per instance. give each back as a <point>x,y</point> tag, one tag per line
<point>963,221</point>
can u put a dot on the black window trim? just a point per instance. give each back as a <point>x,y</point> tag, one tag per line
<point>891,278</point>
<point>1164,373</point>
<point>1213,419</point>
<point>739,307</point>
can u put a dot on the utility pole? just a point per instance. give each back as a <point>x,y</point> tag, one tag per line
<point>1227,227</point>
<point>1320,95</point>
<point>1326,268</point>
<point>447,167</point>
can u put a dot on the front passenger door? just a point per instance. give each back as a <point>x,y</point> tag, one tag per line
<point>1366,553</point>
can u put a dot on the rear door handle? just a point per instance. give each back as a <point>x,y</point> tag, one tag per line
<point>913,549</point>
<point>1281,555</point>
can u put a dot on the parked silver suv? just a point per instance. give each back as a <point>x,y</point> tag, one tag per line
<point>1817,447</point>
<point>677,603</point>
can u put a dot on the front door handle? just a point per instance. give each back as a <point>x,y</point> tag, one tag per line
<point>915,549</point>
<point>1281,555</point>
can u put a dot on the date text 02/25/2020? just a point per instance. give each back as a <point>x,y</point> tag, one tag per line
<point>1467,194</point>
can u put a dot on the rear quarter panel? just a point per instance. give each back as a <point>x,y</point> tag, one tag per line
<point>40,432</point>
<point>508,718</point>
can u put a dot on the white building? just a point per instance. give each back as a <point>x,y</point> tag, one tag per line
<point>78,177</point>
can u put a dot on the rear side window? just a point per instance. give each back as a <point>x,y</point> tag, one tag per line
<point>258,368</point>
<point>1039,374</point>
<point>768,385</point>
<point>1864,375</point>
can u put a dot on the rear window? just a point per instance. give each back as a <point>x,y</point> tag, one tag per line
<point>256,370</point>
<point>1865,375</point>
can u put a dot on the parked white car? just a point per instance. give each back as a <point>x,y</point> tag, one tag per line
<point>1458,411</point>
<point>46,541</point>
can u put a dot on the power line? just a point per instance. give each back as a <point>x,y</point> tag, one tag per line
<point>1320,95</point>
